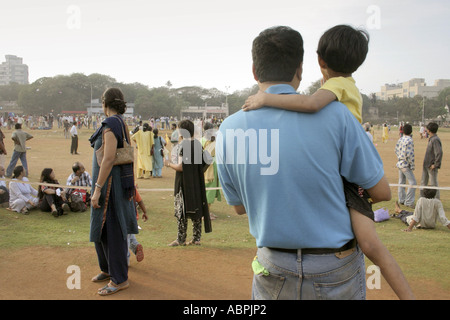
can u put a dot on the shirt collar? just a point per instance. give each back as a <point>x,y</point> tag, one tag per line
<point>281,89</point>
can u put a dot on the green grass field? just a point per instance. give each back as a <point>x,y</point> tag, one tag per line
<point>421,253</point>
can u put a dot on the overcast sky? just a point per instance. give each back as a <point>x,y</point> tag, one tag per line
<point>208,43</point>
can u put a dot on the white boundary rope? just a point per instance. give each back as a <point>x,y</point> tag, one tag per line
<point>419,187</point>
<point>165,190</point>
<point>45,184</point>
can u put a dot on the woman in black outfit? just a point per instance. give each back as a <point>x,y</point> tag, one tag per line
<point>51,199</point>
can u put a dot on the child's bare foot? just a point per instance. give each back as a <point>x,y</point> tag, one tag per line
<point>397,207</point>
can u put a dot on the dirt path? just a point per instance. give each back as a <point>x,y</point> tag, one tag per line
<point>165,274</point>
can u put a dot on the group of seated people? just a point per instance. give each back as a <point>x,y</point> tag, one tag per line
<point>22,197</point>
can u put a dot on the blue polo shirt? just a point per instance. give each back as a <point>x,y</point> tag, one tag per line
<point>286,169</point>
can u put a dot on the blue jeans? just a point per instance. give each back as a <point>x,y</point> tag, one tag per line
<point>12,164</point>
<point>429,174</point>
<point>409,197</point>
<point>309,276</point>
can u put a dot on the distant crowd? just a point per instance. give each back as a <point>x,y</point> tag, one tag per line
<point>47,121</point>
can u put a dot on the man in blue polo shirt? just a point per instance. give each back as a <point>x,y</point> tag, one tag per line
<point>284,169</point>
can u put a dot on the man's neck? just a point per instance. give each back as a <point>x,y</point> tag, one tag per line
<point>263,86</point>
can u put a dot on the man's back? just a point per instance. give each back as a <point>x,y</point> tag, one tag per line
<point>288,172</point>
<point>19,136</point>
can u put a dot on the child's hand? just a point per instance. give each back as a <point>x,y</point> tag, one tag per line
<point>254,102</point>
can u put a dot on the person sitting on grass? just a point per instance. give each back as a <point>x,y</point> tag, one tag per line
<point>52,199</point>
<point>427,211</point>
<point>4,192</point>
<point>22,196</point>
<point>78,177</point>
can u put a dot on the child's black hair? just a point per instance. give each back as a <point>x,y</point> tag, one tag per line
<point>343,48</point>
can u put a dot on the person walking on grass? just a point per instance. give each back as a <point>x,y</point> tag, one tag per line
<point>144,143</point>
<point>20,149</point>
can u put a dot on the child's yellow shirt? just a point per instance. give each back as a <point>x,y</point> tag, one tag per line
<point>347,93</point>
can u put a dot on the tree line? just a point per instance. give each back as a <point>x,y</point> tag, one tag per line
<point>73,92</point>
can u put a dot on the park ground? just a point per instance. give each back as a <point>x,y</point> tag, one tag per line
<point>39,270</point>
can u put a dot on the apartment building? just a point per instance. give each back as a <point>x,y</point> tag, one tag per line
<point>412,88</point>
<point>13,70</point>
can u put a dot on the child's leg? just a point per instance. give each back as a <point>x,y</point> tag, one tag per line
<point>362,218</point>
<point>132,243</point>
<point>376,252</point>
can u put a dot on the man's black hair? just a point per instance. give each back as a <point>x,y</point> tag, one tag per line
<point>407,129</point>
<point>277,52</point>
<point>429,193</point>
<point>433,127</point>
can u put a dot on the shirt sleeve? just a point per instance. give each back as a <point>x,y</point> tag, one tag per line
<point>437,147</point>
<point>333,86</point>
<point>360,162</point>
<point>88,179</point>
<point>15,191</point>
<point>441,214</point>
<point>229,191</point>
<point>69,180</point>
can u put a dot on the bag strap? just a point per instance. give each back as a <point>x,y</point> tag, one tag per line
<point>125,134</point>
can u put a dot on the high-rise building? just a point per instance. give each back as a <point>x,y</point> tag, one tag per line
<point>13,70</point>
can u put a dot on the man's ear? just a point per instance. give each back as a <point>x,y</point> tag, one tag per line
<point>299,72</point>
<point>254,73</point>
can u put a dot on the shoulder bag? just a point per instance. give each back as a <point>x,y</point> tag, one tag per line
<point>124,155</point>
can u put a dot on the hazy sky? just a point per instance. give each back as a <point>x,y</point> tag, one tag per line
<point>208,43</point>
